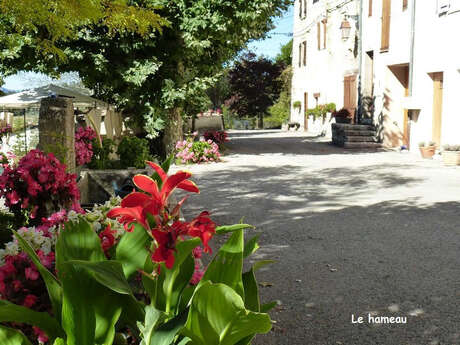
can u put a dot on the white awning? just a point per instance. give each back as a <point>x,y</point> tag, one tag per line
<point>32,97</point>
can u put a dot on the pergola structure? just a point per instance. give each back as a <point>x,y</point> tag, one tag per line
<point>98,114</point>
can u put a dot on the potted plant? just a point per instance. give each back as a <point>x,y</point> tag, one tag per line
<point>314,112</point>
<point>297,104</point>
<point>451,155</point>
<point>427,149</point>
<point>342,116</point>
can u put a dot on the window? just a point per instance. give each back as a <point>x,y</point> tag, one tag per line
<point>304,53</point>
<point>370,8</point>
<point>302,9</point>
<point>315,1</point>
<point>322,29</point>
<point>300,55</point>
<point>386,12</point>
<point>405,5</point>
<point>319,35</point>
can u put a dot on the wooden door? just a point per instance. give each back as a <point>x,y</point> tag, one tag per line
<point>438,79</point>
<point>350,94</point>
<point>386,18</point>
<point>406,138</point>
<point>305,115</point>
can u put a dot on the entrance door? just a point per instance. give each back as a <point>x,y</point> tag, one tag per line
<point>349,94</point>
<point>438,79</point>
<point>305,115</point>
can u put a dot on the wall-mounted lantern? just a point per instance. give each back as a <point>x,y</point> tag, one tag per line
<point>345,27</point>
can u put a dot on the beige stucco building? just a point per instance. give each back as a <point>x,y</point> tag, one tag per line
<point>399,67</point>
<point>325,65</point>
<point>411,60</point>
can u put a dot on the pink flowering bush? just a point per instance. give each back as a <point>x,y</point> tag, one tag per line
<point>203,151</point>
<point>5,131</point>
<point>219,137</point>
<point>37,186</point>
<point>83,145</point>
<point>6,158</point>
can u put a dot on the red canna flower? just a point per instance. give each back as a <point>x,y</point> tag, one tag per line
<point>107,238</point>
<point>138,205</point>
<point>128,216</point>
<point>204,228</point>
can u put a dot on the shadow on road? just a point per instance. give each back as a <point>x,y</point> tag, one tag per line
<point>341,250</point>
<point>257,143</point>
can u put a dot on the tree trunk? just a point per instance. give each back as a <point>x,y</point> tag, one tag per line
<point>260,124</point>
<point>173,131</point>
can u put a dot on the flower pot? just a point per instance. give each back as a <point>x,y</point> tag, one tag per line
<point>427,152</point>
<point>342,120</point>
<point>451,158</point>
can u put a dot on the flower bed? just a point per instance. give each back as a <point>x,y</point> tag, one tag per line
<point>219,137</point>
<point>130,270</point>
<point>203,151</point>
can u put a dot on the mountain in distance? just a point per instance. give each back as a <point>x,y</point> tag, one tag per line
<point>7,91</point>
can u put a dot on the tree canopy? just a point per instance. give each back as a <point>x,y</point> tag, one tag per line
<point>285,56</point>
<point>43,23</point>
<point>155,77</point>
<point>255,85</point>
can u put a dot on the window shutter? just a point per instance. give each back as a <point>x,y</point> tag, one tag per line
<point>325,33</point>
<point>386,18</point>
<point>370,8</point>
<point>300,55</point>
<point>300,8</point>
<point>305,53</point>
<point>305,9</point>
<point>405,4</point>
<point>319,35</point>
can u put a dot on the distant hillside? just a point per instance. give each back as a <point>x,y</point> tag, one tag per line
<point>7,91</point>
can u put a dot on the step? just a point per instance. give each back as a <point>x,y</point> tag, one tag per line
<point>346,126</point>
<point>367,138</point>
<point>352,133</point>
<point>358,145</point>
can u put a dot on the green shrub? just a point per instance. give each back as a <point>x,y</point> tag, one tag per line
<point>101,155</point>
<point>133,152</point>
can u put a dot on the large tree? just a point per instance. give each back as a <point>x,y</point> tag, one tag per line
<point>285,55</point>
<point>255,86</point>
<point>155,78</point>
<point>41,24</point>
<point>280,111</point>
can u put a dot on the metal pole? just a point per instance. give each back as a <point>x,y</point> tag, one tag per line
<point>412,50</point>
<point>360,68</point>
<point>25,129</point>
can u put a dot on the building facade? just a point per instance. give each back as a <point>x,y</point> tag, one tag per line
<point>325,56</point>
<point>410,70</point>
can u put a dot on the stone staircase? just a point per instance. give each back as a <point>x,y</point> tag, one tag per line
<point>355,136</point>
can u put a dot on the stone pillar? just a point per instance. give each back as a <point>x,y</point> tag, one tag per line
<point>56,127</point>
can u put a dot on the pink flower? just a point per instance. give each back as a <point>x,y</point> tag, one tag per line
<point>17,285</point>
<point>197,252</point>
<point>30,301</point>
<point>31,273</point>
<point>13,197</point>
<point>41,336</point>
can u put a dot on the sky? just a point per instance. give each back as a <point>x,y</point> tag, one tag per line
<point>270,47</point>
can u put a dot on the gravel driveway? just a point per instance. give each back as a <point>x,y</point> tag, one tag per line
<point>353,234</point>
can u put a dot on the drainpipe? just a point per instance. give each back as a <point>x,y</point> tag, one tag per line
<point>360,52</point>
<point>412,49</point>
